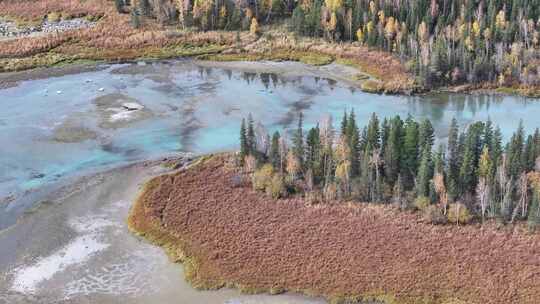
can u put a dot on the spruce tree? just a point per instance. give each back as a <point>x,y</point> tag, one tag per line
<point>425,174</point>
<point>373,132</point>
<point>344,124</point>
<point>298,141</point>
<point>410,151</point>
<point>393,150</point>
<point>514,151</point>
<point>354,145</point>
<point>250,136</point>
<point>313,152</point>
<point>274,150</point>
<point>426,136</point>
<point>244,146</point>
<point>453,150</point>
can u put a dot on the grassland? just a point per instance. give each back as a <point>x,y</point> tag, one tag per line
<point>229,235</point>
<point>113,39</point>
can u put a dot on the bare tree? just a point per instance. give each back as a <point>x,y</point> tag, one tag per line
<point>483,195</point>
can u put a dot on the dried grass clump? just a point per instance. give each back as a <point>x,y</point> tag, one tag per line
<point>434,215</point>
<point>31,11</point>
<point>29,46</point>
<point>262,177</point>
<point>421,203</point>
<point>459,214</point>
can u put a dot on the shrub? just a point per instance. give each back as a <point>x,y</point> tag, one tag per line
<point>53,17</point>
<point>254,27</point>
<point>276,187</point>
<point>459,213</point>
<point>421,203</point>
<point>262,177</point>
<point>434,215</point>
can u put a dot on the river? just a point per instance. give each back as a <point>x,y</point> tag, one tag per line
<point>54,130</point>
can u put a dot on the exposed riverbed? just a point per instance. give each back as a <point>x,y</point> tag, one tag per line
<point>54,131</point>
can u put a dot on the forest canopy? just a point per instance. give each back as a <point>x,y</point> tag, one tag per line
<point>473,174</point>
<point>442,42</point>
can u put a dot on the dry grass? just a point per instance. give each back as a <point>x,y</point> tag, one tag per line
<point>32,11</point>
<point>115,39</point>
<point>238,237</point>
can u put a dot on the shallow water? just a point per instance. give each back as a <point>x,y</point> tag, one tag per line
<point>58,128</point>
<point>194,109</point>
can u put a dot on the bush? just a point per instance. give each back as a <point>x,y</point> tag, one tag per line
<point>421,203</point>
<point>54,17</point>
<point>276,187</point>
<point>433,214</point>
<point>459,213</point>
<point>262,177</point>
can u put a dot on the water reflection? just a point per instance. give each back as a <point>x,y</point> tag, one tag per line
<point>199,109</point>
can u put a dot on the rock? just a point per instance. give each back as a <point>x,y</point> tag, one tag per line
<point>132,106</point>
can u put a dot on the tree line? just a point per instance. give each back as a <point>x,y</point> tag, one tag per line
<point>441,41</point>
<point>472,175</point>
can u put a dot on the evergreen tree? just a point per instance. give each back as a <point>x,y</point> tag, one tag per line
<point>354,144</point>
<point>393,150</point>
<point>344,124</point>
<point>425,174</point>
<point>426,136</point>
<point>313,152</point>
<point>373,132</point>
<point>453,151</point>
<point>410,151</point>
<point>467,172</point>
<point>298,141</point>
<point>244,146</point>
<point>514,151</point>
<point>274,150</point>
<point>250,136</point>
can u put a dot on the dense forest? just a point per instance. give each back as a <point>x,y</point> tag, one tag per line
<point>442,42</point>
<point>473,175</point>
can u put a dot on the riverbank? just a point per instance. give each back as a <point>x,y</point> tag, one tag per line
<point>74,247</point>
<point>226,234</point>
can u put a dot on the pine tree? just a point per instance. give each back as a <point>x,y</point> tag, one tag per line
<point>274,150</point>
<point>425,173</point>
<point>244,146</point>
<point>344,124</point>
<point>393,150</point>
<point>250,136</point>
<point>426,136</point>
<point>354,145</point>
<point>514,151</point>
<point>373,133</point>
<point>298,141</point>
<point>467,172</point>
<point>410,151</point>
<point>453,151</point>
<point>313,153</point>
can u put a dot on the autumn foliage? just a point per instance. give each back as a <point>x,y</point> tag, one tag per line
<point>237,237</point>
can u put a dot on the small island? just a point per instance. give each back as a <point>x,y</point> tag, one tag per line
<point>357,215</point>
